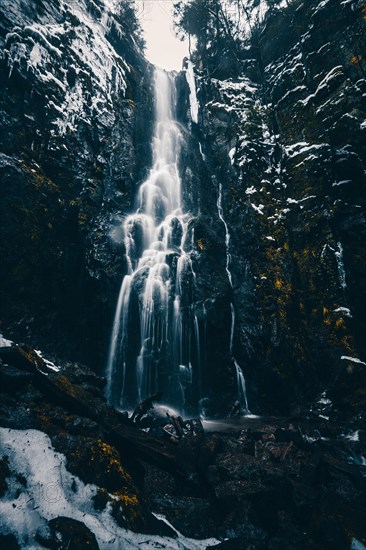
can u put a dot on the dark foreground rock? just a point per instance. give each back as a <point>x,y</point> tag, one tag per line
<point>252,483</point>
<point>281,484</point>
<point>64,533</point>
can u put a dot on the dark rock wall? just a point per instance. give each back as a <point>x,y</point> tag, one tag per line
<point>76,114</point>
<point>282,131</point>
<point>286,139</point>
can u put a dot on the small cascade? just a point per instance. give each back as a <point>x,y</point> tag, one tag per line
<point>227,234</point>
<point>158,341</point>
<point>340,265</point>
<point>240,380</point>
<point>155,343</point>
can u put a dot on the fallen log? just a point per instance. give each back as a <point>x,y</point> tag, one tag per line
<point>119,431</point>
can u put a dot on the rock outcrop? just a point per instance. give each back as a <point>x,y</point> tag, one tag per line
<point>78,473</point>
<point>283,132</point>
<point>273,175</point>
<point>75,113</point>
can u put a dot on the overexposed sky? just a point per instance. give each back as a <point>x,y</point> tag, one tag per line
<point>162,46</point>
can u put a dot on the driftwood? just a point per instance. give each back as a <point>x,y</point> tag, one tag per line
<point>143,407</point>
<point>119,431</point>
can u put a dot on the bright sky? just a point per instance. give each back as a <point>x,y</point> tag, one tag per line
<point>162,46</point>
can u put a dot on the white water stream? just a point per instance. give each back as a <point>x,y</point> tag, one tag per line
<point>154,241</point>
<point>159,332</point>
<point>240,380</point>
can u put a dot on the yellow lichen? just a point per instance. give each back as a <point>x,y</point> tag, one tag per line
<point>200,244</point>
<point>340,324</point>
<point>355,59</point>
<point>278,284</point>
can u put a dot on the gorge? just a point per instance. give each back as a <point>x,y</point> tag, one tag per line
<point>200,234</point>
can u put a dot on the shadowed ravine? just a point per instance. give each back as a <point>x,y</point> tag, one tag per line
<point>197,234</point>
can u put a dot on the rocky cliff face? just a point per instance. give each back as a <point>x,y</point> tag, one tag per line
<point>73,145</point>
<point>283,131</point>
<point>273,173</point>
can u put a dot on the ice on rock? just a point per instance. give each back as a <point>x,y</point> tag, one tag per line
<point>48,363</point>
<point>345,310</point>
<point>353,360</point>
<point>4,342</point>
<point>104,70</point>
<point>51,491</point>
<point>193,92</point>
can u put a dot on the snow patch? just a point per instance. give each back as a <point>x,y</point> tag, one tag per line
<point>343,182</point>
<point>49,364</point>
<point>303,147</point>
<point>344,310</point>
<point>353,360</point>
<point>51,491</point>
<point>193,92</point>
<point>96,64</point>
<point>333,74</point>
<point>353,436</point>
<point>4,342</point>
<point>320,6</point>
<point>258,209</point>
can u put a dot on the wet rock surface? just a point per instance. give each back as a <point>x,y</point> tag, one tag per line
<point>249,482</point>
<point>281,137</point>
<point>282,131</point>
<point>277,483</point>
<point>76,113</point>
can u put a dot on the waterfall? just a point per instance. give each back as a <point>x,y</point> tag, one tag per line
<point>158,341</point>
<point>154,330</point>
<point>240,380</point>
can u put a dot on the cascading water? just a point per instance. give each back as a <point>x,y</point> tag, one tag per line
<point>154,329</point>
<point>240,380</point>
<point>159,336</point>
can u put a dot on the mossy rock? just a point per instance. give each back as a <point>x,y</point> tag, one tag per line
<point>96,462</point>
